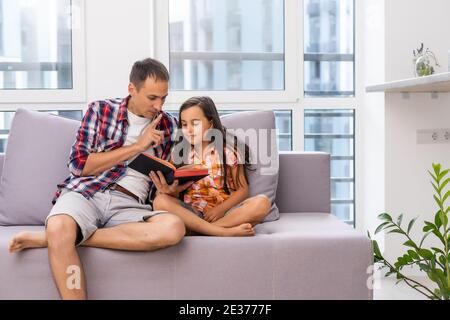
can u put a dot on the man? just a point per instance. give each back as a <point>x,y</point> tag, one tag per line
<point>103,203</point>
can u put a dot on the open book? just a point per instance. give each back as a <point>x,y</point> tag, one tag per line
<point>144,163</point>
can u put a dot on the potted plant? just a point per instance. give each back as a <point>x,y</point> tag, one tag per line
<point>425,63</point>
<point>434,261</point>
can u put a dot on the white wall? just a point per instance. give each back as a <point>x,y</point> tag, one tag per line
<point>407,186</point>
<point>370,156</point>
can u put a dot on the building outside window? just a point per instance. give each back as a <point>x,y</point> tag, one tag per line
<point>329,48</point>
<point>35,44</point>
<point>226,45</point>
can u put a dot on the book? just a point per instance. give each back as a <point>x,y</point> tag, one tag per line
<point>144,163</point>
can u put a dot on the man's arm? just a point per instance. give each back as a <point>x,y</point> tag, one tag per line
<point>97,163</point>
<point>85,162</point>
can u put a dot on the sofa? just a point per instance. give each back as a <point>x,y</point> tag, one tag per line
<point>305,253</point>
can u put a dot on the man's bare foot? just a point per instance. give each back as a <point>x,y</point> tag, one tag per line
<point>243,230</point>
<point>26,240</point>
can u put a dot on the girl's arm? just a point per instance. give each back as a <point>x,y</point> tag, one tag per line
<point>237,197</point>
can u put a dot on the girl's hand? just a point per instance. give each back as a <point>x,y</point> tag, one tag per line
<point>213,214</point>
<point>161,185</point>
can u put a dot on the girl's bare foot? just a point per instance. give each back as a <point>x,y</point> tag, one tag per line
<point>243,230</point>
<point>26,239</point>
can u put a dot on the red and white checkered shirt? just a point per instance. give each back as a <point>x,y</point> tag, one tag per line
<point>104,128</point>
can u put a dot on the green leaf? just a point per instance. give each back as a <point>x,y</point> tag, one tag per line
<point>424,267</point>
<point>410,224</point>
<point>439,236</point>
<point>442,260</point>
<point>399,219</point>
<point>413,255</point>
<point>437,219</point>
<point>434,177</point>
<point>437,169</point>
<point>410,243</point>
<point>438,202</point>
<point>437,250</point>
<point>445,222</point>
<point>427,254</point>
<point>444,184</point>
<point>442,174</point>
<point>447,194</point>
<point>395,231</point>
<point>376,249</point>
<point>385,216</point>
<point>407,258</point>
<point>435,187</point>
<point>381,226</point>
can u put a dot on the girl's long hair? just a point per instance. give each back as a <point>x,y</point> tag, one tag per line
<point>210,111</point>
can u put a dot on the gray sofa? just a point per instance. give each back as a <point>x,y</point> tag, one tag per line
<point>306,254</point>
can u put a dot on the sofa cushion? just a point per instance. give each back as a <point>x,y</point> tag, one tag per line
<point>263,179</point>
<point>35,162</point>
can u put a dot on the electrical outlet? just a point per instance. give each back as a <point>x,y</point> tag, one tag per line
<point>431,136</point>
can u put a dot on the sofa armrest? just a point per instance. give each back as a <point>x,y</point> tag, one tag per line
<point>2,158</point>
<point>304,182</point>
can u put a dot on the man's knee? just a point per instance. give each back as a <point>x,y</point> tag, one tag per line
<point>61,230</point>
<point>172,229</point>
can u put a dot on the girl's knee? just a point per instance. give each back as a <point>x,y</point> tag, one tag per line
<point>262,203</point>
<point>261,200</point>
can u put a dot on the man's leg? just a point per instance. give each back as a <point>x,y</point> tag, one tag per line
<point>197,224</point>
<point>253,211</point>
<point>157,232</point>
<point>61,233</point>
<point>160,231</point>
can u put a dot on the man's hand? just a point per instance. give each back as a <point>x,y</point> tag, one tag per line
<point>173,190</point>
<point>151,137</point>
<point>213,214</point>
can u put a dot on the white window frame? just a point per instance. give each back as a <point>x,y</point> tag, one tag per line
<point>74,95</point>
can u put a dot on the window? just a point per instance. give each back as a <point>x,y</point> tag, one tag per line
<point>329,48</point>
<point>232,45</point>
<point>1,28</point>
<point>37,52</point>
<point>42,56</point>
<point>333,131</point>
<point>6,118</point>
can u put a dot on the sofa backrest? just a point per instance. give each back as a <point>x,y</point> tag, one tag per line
<point>35,162</point>
<point>304,182</point>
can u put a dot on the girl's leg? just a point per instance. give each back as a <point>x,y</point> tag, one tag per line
<point>253,210</point>
<point>197,224</point>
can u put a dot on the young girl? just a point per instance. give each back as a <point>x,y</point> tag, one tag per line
<point>217,205</point>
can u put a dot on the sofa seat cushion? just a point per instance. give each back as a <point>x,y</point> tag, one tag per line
<point>300,256</point>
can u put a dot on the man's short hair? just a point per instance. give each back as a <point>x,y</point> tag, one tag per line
<point>148,68</point>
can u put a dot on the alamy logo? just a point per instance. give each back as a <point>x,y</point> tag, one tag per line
<point>74,279</point>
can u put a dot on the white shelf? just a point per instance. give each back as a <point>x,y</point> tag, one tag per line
<point>435,83</point>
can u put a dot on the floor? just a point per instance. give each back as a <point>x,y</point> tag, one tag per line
<point>386,289</point>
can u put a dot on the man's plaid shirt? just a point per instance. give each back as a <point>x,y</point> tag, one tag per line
<point>104,128</point>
